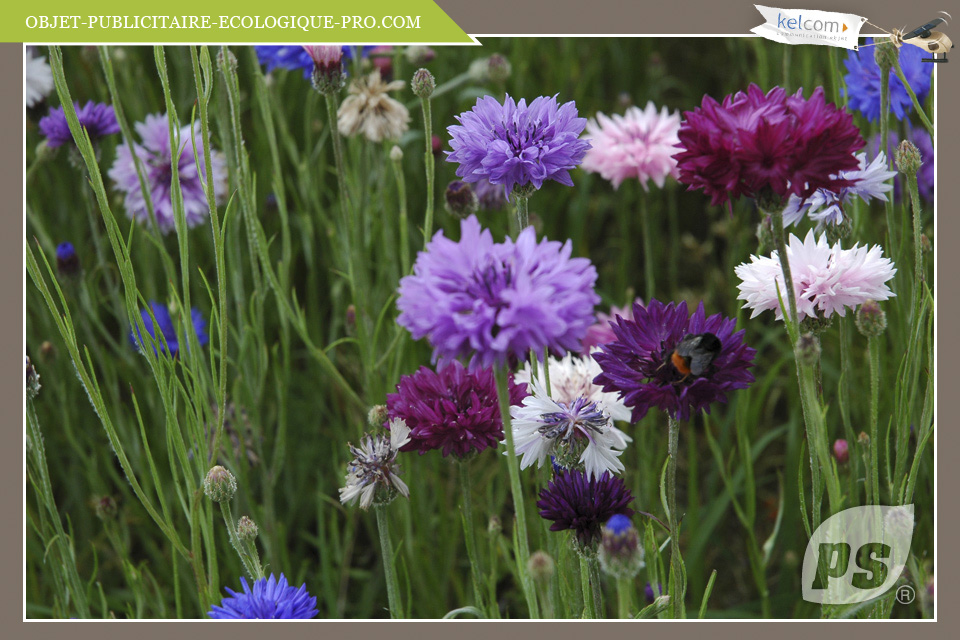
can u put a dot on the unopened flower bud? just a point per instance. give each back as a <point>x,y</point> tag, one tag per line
<point>886,55</point>
<point>328,76</point>
<point>226,59</point>
<point>808,349</point>
<point>396,153</point>
<point>839,231</point>
<point>246,529</point>
<point>907,157</point>
<point>498,68</point>
<point>540,565</point>
<point>377,415</point>
<point>494,526</point>
<point>33,380</point>
<point>841,450</point>
<point>621,554</point>
<point>863,439</point>
<point>870,319</point>
<point>68,264</point>
<point>459,200</point>
<point>648,592</point>
<point>419,55</point>
<point>436,144</point>
<point>105,508</point>
<point>47,351</point>
<point>219,485</point>
<point>423,84</point>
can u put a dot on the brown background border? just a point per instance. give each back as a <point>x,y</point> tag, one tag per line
<point>506,17</point>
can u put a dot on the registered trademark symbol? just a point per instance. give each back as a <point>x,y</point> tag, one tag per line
<point>905,594</point>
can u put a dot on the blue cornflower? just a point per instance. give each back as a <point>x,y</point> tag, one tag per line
<point>98,119</point>
<point>67,261</point>
<point>169,332</point>
<point>294,56</point>
<point>270,598</point>
<point>515,144</point>
<point>863,81</point>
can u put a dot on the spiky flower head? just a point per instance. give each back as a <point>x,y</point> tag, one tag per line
<point>246,529</point>
<point>640,365</point>
<point>371,111</point>
<point>270,598</point>
<point>327,75</point>
<point>423,83</point>
<point>620,554</point>
<point>518,145</point>
<point>870,319</point>
<point>97,119</point>
<point>219,485</point>
<point>573,501</point>
<point>908,158</point>
<point>373,473</point>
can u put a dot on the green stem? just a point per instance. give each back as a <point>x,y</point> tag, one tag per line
<point>523,211</point>
<point>913,97</point>
<point>389,571</point>
<point>251,562</point>
<point>429,168</point>
<point>647,249</point>
<point>677,592</point>
<point>780,238</point>
<point>884,146</point>
<point>402,197</point>
<point>589,611</point>
<point>469,532</point>
<point>513,469</point>
<point>624,598</point>
<point>873,349</point>
<point>596,586</point>
<point>917,246</point>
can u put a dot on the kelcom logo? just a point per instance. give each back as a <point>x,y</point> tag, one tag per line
<point>799,24</point>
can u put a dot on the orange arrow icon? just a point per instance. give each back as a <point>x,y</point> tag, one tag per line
<point>844,27</point>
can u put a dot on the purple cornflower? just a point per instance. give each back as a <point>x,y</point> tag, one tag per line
<point>754,144</point>
<point>453,409</point>
<point>639,364</point>
<point>98,119</point>
<point>270,598</point>
<point>863,81</point>
<point>293,56</point>
<point>573,501</point>
<point>491,301</point>
<point>167,329</point>
<point>515,145</point>
<point>155,158</point>
<point>68,263</point>
<point>648,592</point>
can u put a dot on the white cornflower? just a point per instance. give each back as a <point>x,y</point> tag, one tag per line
<point>371,111</point>
<point>373,472</point>
<point>38,78</point>
<point>575,432</point>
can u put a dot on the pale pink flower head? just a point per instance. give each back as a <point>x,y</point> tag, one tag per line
<point>601,332</point>
<point>324,56</point>
<point>639,144</point>
<point>826,279</point>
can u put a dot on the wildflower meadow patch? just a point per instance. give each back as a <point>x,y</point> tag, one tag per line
<point>548,328</point>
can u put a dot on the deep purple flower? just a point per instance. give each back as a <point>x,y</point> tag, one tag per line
<point>754,143</point>
<point>513,144</point>
<point>453,410</point>
<point>572,501</point>
<point>648,592</point>
<point>638,363</point>
<point>98,119</point>
<point>167,329</point>
<point>863,81</point>
<point>155,158</point>
<point>919,137</point>
<point>489,301</point>
<point>270,598</point>
<point>68,263</point>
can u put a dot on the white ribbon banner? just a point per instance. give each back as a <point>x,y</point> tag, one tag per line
<point>806,26</point>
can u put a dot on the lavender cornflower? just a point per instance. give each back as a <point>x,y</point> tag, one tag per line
<point>155,156</point>
<point>573,501</point>
<point>515,145</point>
<point>826,207</point>
<point>372,474</point>
<point>863,81</point>
<point>98,119</point>
<point>491,301</point>
<point>167,330</point>
<point>270,598</point>
<point>639,364</point>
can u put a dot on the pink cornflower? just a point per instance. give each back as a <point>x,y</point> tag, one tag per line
<point>639,144</point>
<point>601,332</point>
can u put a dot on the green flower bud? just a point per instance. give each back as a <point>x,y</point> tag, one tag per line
<point>540,565</point>
<point>423,84</point>
<point>907,157</point>
<point>219,485</point>
<point>870,319</point>
<point>246,529</point>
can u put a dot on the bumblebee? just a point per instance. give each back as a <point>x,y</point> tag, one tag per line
<point>694,354</point>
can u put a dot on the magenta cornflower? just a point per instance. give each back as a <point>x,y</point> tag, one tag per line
<point>514,144</point>
<point>583,504</point>
<point>639,144</point>
<point>490,301</point>
<point>98,119</point>
<point>755,143</point>
<point>452,410</point>
<point>639,365</point>
<point>155,157</point>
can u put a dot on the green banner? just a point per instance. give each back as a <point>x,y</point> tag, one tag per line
<point>287,21</point>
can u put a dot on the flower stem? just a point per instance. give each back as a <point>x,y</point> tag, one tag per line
<point>428,167</point>
<point>647,249</point>
<point>678,590</point>
<point>476,571</point>
<point>588,601</point>
<point>523,211</point>
<point>402,197</point>
<point>913,97</point>
<point>873,350</point>
<point>251,561</point>
<point>513,469</point>
<point>884,146</point>
<point>917,246</point>
<point>595,586</point>
<point>780,238</point>
<point>624,598</point>
<point>389,571</point>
